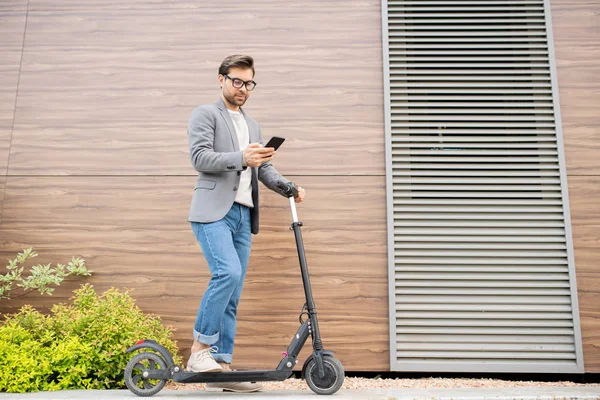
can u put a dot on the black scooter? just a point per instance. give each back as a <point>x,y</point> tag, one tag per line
<point>147,373</point>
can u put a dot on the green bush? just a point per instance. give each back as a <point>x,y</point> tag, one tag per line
<point>78,346</point>
<point>41,277</point>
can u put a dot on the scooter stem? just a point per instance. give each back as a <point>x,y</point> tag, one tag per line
<point>293,206</point>
<point>310,304</point>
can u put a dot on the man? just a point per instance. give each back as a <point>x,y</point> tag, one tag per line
<point>226,149</point>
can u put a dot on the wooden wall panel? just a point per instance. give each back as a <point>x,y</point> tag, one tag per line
<point>584,195</point>
<point>106,91</point>
<point>37,5</point>
<point>12,27</point>
<point>2,186</point>
<point>133,233</point>
<point>577,45</point>
<point>13,5</point>
<point>5,131</point>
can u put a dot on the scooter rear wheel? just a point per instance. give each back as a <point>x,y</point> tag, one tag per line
<point>334,375</point>
<point>134,374</point>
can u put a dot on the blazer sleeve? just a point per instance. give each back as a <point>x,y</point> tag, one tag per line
<point>201,137</point>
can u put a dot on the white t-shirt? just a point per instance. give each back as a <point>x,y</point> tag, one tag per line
<point>244,193</point>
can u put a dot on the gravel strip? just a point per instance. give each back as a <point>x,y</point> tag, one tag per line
<point>366,383</point>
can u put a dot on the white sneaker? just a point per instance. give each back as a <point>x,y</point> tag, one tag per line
<point>203,361</point>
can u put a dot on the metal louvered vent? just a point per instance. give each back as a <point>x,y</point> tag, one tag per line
<point>482,274</point>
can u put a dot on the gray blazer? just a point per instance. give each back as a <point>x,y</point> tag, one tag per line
<point>215,154</point>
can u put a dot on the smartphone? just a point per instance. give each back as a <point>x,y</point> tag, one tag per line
<point>275,142</point>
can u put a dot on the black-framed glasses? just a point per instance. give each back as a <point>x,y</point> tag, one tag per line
<point>238,83</point>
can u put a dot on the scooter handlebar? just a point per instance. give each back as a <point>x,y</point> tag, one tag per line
<point>288,189</point>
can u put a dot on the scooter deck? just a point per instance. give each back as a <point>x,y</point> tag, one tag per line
<point>232,376</point>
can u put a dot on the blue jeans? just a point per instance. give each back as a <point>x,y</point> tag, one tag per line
<point>226,247</point>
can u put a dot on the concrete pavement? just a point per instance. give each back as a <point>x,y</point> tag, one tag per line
<point>506,393</point>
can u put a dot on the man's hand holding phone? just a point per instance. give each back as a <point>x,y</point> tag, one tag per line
<point>256,155</point>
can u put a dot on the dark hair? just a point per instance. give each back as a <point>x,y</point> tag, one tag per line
<point>236,61</point>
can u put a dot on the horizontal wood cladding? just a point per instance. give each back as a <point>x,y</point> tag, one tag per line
<point>577,46</point>
<point>4,146</point>
<point>584,195</point>
<point>2,186</point>
<point>109,92</point>
<point>13,5</point>
<point>258,6</point>
<point>133,233</point>
<point>12,26</point>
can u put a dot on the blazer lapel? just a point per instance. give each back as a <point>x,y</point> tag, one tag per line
<point>229,123</point>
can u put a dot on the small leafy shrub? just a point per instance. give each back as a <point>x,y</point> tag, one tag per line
<point>41,277</point>
<point>78,346</point>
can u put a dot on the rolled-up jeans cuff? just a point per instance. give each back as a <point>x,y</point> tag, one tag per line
<point>219,357</point>
<point>204,339</point>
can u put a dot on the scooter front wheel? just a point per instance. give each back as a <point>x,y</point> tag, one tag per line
<point>134,374</point>
<point>333,379</point>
